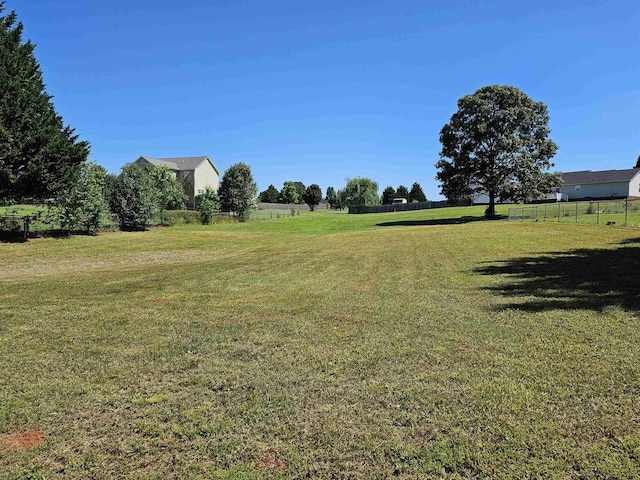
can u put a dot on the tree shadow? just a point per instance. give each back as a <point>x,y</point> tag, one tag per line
<point>437,221</point>
<point>588,279</point>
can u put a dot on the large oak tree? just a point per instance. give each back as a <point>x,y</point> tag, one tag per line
<point>496,143</point>
<point>39,156</point>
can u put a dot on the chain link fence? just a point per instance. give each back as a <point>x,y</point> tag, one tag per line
<point>598,212</point>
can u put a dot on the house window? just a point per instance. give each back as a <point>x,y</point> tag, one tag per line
<point>555,189</point>
<point>200,192</point>
<point>578,188</point>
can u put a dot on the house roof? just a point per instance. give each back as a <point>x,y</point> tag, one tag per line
<point>180,163</point>
<point>586,177</point>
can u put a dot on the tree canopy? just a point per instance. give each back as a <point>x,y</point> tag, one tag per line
<point>496,143</point>
<point>402,192</point>
<point>417,194</point>
<point>289,193</point>
<point>312,196</point>
<point>388,194</point>
<point>638,162</point>
<point>39,156</point>
<point>270,195</point>
<point>359,191</point>
<point>237,190</point>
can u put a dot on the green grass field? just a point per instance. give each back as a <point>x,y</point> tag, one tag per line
<point>427,344</point>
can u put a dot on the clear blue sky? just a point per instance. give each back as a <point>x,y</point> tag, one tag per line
<point>321,91</point>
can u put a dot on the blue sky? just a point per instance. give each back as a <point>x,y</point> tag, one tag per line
<point>321,91</point>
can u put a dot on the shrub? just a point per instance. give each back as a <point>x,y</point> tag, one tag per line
<point>208,206</point>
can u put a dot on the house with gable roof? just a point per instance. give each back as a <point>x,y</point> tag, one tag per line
<point>603,184</point>
<point>195,173</point>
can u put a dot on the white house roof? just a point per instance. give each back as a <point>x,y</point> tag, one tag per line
<point>180,163</point>
<point>586,177</point>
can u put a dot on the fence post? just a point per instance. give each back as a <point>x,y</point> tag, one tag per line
<point>545,212</point>
<point>598,213</point>
<point>576,212</point>
<point>559,205</point>
<point>626,212</point>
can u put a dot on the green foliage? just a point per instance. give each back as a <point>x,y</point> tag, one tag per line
<point>134,197</point>
<point>182,217</point>
<point>237,190</point>
<point>39,156</point>
<point>497,138</point>
<point>331,197</point>
<point>83,205</point>
<point>171,194</point>
<point>388,194</point>
<point>208,205</point>
<point>312,196</point>
<point>417,194</point>
<point>289,193</point>
<point>359,191</point>
<point>402,192</point>
<point>270,195</point>
<point>638,162</point>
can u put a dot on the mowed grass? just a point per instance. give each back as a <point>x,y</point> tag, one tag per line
<point>428,344</point>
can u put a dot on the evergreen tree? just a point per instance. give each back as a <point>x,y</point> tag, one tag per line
<point>417,194</point>
<point>331,197</point>
<point>388,194</point>
<point>270,195</point>
<point>402,192</point>
<point>39,156</point>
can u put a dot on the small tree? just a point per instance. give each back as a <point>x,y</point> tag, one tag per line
<point>388,194</point>
<point>300,188</point>
<point>83,206</point>
<point>638,162</point>
<point>237,190</point>
<point>208,204</point>
<point>402,192</point>
<point>312,196</point>
<point>270,195</point>
<point>416,194</point>
<point>359,191</point>
<point>289,193</point>
<point>498,138</point>
<point>331,197</point>
<point>170,192</point>
<point>135,198</point>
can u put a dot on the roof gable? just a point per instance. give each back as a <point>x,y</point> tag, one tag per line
<point>585,177</point>
<point>181,163</point>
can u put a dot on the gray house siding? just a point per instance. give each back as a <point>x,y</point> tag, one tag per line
<point>596,190</point>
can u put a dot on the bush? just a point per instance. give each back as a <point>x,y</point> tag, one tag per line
<point>208,206</point>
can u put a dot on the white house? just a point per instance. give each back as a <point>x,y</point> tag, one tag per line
<point>603,184</point>
<point>195,173</point>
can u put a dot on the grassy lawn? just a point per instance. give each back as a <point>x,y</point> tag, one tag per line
<point>428,344</point>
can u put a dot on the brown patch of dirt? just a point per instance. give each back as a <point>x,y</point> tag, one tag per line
<point>160,301</point>
<point>22,441</point>
<point>269,461</point>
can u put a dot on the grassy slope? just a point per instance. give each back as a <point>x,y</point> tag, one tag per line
<point>324,345</point>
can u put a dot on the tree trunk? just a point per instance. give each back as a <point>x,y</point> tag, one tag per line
<point>491,210</point>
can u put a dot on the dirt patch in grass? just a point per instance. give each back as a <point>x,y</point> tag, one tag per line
<point>270,462</point>
<point>21,441</point>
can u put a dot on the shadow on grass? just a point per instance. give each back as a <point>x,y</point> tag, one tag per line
<point>588,279</point>
<point>438,221</point>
